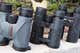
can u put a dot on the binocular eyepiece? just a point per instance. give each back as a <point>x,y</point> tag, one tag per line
<point>63,7</point>
<point>77,10</point>
<point>60,14</point>
<point>6,7</point>
<point>40,13</point>
<point>26,12</point>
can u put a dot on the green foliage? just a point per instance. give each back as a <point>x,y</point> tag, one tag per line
<point>53,6</point>
<point>18,3</point>
<point>13,2</point>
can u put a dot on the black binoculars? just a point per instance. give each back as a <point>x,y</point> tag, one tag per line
<point>57,26</point>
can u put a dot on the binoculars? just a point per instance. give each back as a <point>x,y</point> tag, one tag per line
<point>37,28</point>
<point>72,21</point>
<point>23,29</point>
<point>57,27</point>
<point>15,27</point>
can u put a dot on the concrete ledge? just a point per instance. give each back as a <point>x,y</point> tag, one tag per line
<point>64,48</point>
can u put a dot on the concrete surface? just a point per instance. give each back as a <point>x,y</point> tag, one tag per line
<point>64,48</point>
